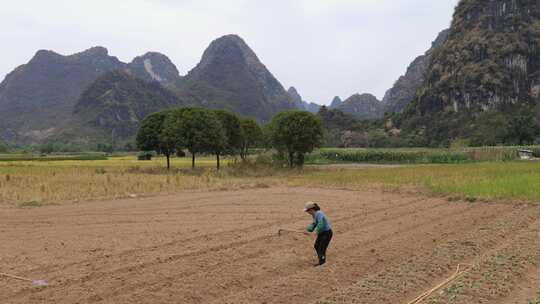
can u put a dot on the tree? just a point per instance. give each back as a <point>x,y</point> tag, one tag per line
<point>253,135</point>
<point>104,147</point>
<point>47,148</point>
<point>196,129</point>
<point>150,136</point>
<point>522,129</point>
<point>234,137</point>
<point>3,147</point>
<point>296,133</point>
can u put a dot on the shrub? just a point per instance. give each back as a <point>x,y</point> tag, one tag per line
<point>180,153</point>
<point>145,155</point>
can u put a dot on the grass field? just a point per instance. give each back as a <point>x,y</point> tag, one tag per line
<point>31,183</point>
<point>490,180</point>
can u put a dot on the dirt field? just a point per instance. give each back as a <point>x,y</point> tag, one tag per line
<point>223,247</point>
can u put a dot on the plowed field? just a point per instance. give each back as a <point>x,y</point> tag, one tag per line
<point>224,247</point>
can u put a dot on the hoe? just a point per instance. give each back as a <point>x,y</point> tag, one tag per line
<point>34,282</point>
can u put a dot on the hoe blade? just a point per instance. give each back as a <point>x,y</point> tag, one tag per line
<point>39,283</point>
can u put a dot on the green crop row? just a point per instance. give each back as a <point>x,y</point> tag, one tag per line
<point>24,157</point>
<point>417,155</point>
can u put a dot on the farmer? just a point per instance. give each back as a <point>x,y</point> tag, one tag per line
<point>321,226</point>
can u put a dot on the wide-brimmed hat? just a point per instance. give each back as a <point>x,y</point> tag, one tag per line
<point>309,206</point>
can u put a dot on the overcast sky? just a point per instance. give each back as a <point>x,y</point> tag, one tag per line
<point>322,47</point>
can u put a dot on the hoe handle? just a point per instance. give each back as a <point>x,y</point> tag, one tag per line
<point>14,277</point>
<point>291,231</point>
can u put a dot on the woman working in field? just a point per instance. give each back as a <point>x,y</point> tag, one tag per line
<point>321,225</point>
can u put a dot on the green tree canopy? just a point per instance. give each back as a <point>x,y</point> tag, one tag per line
<point>196,129</point>
<point>522,128</point>
<point>253,135</point>
<point>150,136</point>
<point>3,147</point>
<point>296,133</point>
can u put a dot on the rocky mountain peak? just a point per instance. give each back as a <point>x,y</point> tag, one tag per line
<point>97,51</point>
<point>43,55</point>
<point>296,98</point>
<point>361,98</point>
<point>300,103</point>
<point>230,49</point>
<point>363,106</point>
<point>293,91</point>
<point>154,66</point>
<point>336,102</point>
<point>230,75</point>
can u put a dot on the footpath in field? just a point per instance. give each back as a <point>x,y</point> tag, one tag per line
<point>224,247</point>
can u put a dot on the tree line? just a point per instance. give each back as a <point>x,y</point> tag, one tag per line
<point>221,133</point>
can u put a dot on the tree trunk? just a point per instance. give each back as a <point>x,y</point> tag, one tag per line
<point>301,160</point>
<point>192,160</point>
<point>291,159</point>
<point>243,152</point>
<point>217,159</point>
<point>168,161</point>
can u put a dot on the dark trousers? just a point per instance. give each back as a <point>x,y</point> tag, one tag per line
<point>321,244</point>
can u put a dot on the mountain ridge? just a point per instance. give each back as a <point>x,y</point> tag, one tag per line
<point>45,91</point>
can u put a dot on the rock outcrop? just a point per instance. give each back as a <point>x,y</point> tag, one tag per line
<point>155,67</point>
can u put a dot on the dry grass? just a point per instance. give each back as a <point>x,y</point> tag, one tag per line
<point>42,183</point>
<point>54,182</point>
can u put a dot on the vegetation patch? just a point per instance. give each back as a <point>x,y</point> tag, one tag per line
<point>51,157</point>
<point>537,300</point>
<point>30,204</point>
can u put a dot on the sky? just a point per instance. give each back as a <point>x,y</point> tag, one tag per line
<point>324,48</point>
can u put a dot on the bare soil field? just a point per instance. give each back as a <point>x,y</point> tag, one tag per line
<point>224,247</point>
